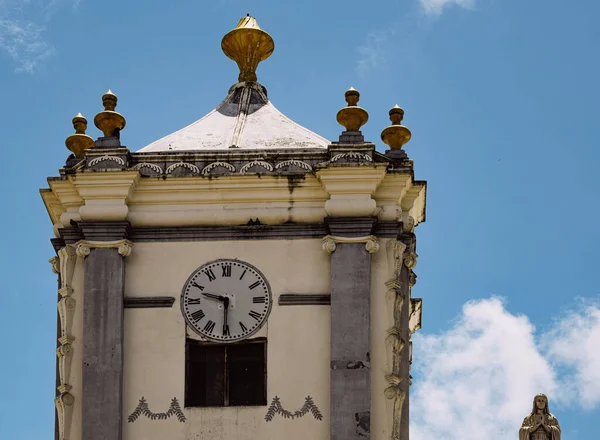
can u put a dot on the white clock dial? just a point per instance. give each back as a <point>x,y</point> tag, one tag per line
<point>226,300</point>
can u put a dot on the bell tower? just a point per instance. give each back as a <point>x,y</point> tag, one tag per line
<point>242,278</point>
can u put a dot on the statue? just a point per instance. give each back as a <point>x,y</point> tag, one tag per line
<point>540,424</point>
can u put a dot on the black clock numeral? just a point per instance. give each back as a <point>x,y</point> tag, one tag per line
<point>226,270</point>
<point>243,273</point>
<point>210,274</point>
<point>209,327</point>
<point>226,330</point>
<point>254,285</point>
<point>259,300</point>
<point>198,286</point>
<point>255,315</point>
<point>198,315</point>
<point>243,327</point>
<point>192,301</point>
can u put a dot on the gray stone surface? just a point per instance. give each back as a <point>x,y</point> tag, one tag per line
<point>102,396</point>
<point>354,227</point>
<point>104,231</point>
<point>350,348</point>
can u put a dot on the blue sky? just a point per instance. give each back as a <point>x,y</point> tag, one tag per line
<point>501,97</point>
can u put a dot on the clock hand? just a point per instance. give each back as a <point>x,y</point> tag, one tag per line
<point>225,310</point>
<point>213,296</point>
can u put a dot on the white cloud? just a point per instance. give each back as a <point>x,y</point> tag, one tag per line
<point>575,343</point>
<point>477,380</point>
<point>435,7</point>
<point>372,53</point>
<point>22,27</point>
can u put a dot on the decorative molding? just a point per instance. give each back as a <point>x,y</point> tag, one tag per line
<point>143,409</point>
<point>54,262</point>
<point>277,408</point>
<point>415,314</point>
<point>254,163</point>
<point>410,259</point>
<point>152,166</point>
<point>351,155</point>
<point>83,247</point>
<point>298,163</point>
<point>147,302</point>
<point>106,158</point>
<point>304,299</point>
<point>64,266</point>
<point>330,242</point>
<point>193,168</point>
<point>64,408</point>
<point>395,341</point>
<point>211,166</point>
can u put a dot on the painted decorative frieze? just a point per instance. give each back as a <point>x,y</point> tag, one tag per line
<point>277,408</point>
<point>211,167</point>
<point>256,164</point>
<point>143,409</point>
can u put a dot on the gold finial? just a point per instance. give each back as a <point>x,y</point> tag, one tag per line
<point>109,121</point>
<point>396,135</point>
<point>352,117</point>
<point>247,45</point>
<point>79,142</point>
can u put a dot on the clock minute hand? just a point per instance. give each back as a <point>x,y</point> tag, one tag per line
<point>213,296</point>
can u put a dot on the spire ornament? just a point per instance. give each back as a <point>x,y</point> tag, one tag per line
<point>352,117</point>
<point>109,121</point>
<point>396,135</point>
<point>79,142</point>
<point>247,45</point>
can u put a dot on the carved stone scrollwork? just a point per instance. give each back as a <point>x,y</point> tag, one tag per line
<point>64,407</point>
<point>410,259</point>
<point>64,265</point>
<point>412,278</point>
<point>372,245</point>
<point>329,245</point>
<point>55,265</point>
<point>82,250</point>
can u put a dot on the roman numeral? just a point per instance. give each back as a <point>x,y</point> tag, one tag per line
<point>255,315</point>
<point>192,301</point>
<point>243,327</point>
<point>198,286</point>
<point>209,327</point>
<point>198,315</point>
<point>226,270</point>
<point>258,300</point>
<point>210,274</point>
<point>254,285</point>
<point>243,273</point>
<point>226,330</point>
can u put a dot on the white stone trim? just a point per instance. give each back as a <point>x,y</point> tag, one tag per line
<point>187,165</point>
<point>211,166</point>
<point>261,163</point>
<point>298,163</point>
<point>351,155</point>
<point>152,166</point>
<point>106,158</point>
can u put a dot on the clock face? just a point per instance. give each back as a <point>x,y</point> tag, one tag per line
<point>226,300</point>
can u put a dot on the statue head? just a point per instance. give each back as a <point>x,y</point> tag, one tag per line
<point>540,402</point>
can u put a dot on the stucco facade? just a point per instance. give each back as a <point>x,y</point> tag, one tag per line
<point>329,224</point>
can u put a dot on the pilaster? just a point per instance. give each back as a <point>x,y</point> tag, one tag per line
<point>350,244</point>
<point>104,247</point>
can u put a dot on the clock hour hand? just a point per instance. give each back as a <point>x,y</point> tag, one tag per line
<point>213,296</point>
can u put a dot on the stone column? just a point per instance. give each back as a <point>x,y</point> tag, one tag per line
<point>350,245</point>
<point>104,248</point>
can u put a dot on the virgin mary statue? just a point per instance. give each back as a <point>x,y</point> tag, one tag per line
<point>540,424</point>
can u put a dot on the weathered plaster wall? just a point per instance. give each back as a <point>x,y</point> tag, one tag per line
<point>298,341</point>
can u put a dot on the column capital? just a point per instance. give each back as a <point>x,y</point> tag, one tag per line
<point>83,247</point>
<point>330,242</point>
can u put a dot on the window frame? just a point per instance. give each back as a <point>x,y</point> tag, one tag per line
<point>189,342</point>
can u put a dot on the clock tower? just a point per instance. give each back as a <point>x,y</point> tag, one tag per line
<point>242,278</point>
